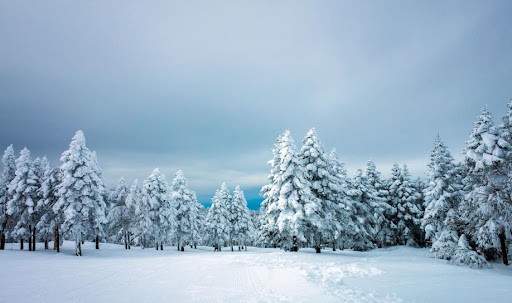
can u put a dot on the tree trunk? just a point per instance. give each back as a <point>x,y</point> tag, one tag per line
<point>2,241</point>
<point>34,238</point>
<point>503,243</point>
<point>21,244</point>
<point>45,244</point>
<point>161,246</point>
<point>125,241</point>
<point>178,245</point>
<point>317,249</point>
<point>182,248</point>
<point>30,238</point>
<point>56,244</point>
<point>79,248</point>
<point>97,242</point>
<point>156,245</point>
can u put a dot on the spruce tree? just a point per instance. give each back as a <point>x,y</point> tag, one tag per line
<point>317,178</point>
<point>218,218</point>
<point>23,191</point>
<point>121,214</point>
<point>362,221</point>
<point>242,221</point>
<point>51,217</point>
<point>8,174</point>
<point>443,194</point>
<point>79,190</point>
<point>186,210</point>
<point>487,208</point>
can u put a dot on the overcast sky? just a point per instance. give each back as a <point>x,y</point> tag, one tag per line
<point>207,86</point>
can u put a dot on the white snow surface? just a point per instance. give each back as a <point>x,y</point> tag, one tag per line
<point>111,274</point>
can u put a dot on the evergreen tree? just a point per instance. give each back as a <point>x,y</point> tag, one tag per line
<point>464,255</point>
<point>487,208</point>
<point>404,198</point>
<point>158,207</point>
<point>51,216</point>
<point>134,203</point>
<point>362,223</point>
<point>242,222</point>
<point>8,174</point>
<point>318,179</point>
<point>443,194</point>
<point>380,210</point>
<point>98,215</point>
<point>79,191</point>
<point>184,200</point>
<point>23,191</point>
<point>121,213</point>
<point>337,215</point>
<point>285,197</point>
<point>218,217</point>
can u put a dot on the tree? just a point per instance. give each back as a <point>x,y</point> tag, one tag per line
<point>184,202</point>
<point>51,216</point>
<point>380,209</point>
<point>241,222</point>
<point>337,215</point>
<point>318,179</point>
<point>8,174</point>
<point>404,198</point>
<point>487,208</point>
<point>443,194</point>
<point>121,214</point>
<point>97,217</point>
<point>217,219</point>
<point>79,191</point>
<point>285,197</point>
<point>23,191</point>
<point>134,203</point>
<point>157,204</point>
<point>464,255</point>
<point>360,236</point>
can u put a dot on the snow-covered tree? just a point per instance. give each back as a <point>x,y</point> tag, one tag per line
<point>338,224</point>
<point>122,213</point>
<point>8,174</point>
<point>198,216</point>
<point>23,190</point>
<point>403,197</point>
<point>360,236</point>
<point>80,191</point>
<point>157,204</point>
<point>218,217</point>
<point>134,203</point>
<point>184,202</point>
<point>442,194</point>
<point>315,163</point>
<point>98,216</point>
<point>49,222</point>
<point>464,255</point>
<point>487,208</point>
<point>241,218</point>
<point>285,197</point>
<point>380,210</point>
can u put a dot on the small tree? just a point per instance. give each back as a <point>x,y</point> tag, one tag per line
<point>184,202</point>
<point>242,222</point>
<point>217,219</point>
<point>122,213</point>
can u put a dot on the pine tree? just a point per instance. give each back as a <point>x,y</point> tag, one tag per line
<point>338,221</point>
<point>217,219</point>
<point>360,237</point>
<point>404,198</point>
<point>184,201</point>
<point>464,255</point>
<point>98,215</point>
<point>379,208</point>
<point>285,197</point>
<point>134,203</point>
<point>51,217</point>
<point>23,191</point>
<point>443,194</point>
<point>79,191</point>
<point>158,206</point>
<point>487,208</point>
<point>197,217</point>
<point>242,222</point>
<point>121,213</point>
<point>318,179</point>
<point>8,174</point>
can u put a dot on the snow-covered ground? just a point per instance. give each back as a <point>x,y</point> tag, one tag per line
<point>399,274</point>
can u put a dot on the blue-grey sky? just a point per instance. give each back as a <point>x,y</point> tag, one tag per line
<point>206,86</point>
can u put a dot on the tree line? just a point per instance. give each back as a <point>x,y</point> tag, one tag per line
<point>41,203</point>
<point>462,210</point>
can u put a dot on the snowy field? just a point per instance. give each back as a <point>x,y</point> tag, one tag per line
<point>399,274</point>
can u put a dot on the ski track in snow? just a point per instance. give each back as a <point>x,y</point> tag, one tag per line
<point>257,276</point>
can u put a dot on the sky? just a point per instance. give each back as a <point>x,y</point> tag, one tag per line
<point>207,86</point>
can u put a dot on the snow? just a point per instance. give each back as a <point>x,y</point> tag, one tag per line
<point>112,274</point>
